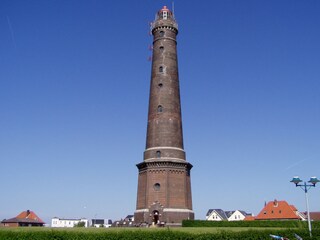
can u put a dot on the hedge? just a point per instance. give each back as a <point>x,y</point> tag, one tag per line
<point>150,234</point>
<point>263,224</point>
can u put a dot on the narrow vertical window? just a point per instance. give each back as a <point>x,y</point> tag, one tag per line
<point>160,85</point>
<point>160,109</point>
<point>161,69</point>
<point>158,154</point>
<point>161,48</point>
<point>165,15</point>
<point>161,33</point>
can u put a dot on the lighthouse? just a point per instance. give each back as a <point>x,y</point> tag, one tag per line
<point>164,184</point>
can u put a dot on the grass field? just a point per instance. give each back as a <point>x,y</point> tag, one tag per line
<point>191,233</point>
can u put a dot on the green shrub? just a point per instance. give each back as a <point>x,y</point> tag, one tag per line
<point>80,224</point>
<point>146,234</point>
<point>263,224</point>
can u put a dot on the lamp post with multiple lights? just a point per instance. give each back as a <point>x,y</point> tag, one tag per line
<point>305,187</point>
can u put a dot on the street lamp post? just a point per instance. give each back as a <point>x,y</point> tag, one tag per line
<point>305,187</point>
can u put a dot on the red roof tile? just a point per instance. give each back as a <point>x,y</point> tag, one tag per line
<point>315,216</point>
<point>30,215</point>
<point>249,218</point>
<point>277,210</point>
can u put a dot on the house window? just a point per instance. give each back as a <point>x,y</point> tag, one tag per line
<point>160,109</point>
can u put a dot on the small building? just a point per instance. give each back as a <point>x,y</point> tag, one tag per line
<point>314,216</point>
<point>249,218</point>
<point>221,215</point>
<point>101,223</point>
<point>280,210</point>
<point>128,221</point>
<point>237,215</point>
<point>129,218</point>
<point>68,222</point>
<point>24,219</point>
<point>216,215</point>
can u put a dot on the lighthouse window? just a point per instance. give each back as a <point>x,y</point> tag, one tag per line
<point>160,109</point>
<point>165,15</point>
<point>161,33</point>
<point>158,154</point>
<point>161,48</point>
<point>160,85</point>
<point>156,186</point>
<point>161,69</point>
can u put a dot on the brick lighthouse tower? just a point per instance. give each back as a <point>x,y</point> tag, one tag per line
<point>164,186</point>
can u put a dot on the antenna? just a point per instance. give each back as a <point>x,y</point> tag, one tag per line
<point>150,28</point>
<point>150,47</point>
<point>173,9</point>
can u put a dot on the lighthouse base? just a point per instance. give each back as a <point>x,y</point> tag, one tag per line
<point>162,217</point>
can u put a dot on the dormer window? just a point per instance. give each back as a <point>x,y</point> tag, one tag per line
<point>275,203</point>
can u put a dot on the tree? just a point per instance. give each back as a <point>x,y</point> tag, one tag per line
<point>80,224</point>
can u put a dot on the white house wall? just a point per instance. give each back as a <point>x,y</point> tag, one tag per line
<point>214,217</point>
<point>67,223</point>
<point>236,216</point>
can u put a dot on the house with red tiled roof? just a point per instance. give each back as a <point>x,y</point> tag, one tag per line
<point>24,219</point>
<point>314,216</point>
<point>279,210</point>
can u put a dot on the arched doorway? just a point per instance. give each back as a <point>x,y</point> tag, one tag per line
<point>155,218</point>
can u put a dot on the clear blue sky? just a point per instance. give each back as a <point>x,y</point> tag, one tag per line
<point>74,86</point>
